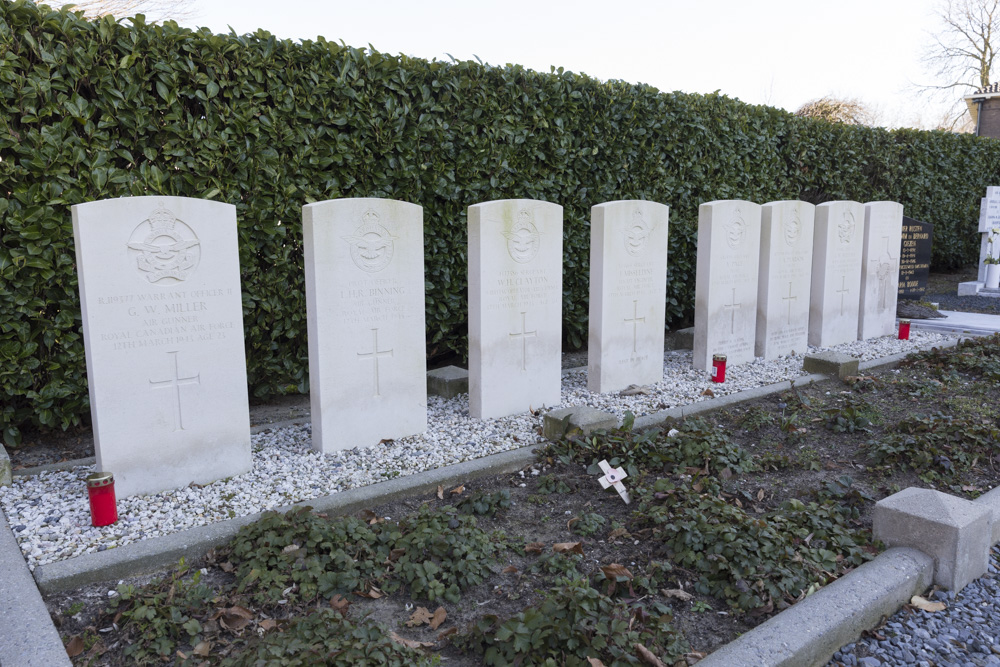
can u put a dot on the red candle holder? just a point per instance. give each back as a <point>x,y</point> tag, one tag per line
<point>904,330</point>
<point>718,368</point>
<point>101,489</point>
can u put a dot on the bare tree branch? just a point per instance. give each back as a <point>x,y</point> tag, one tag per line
<point>848,111</point>
<point>962,53</point>
<point>154,10</point>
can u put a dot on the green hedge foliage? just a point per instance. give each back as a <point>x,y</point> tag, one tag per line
<point>92,110</point>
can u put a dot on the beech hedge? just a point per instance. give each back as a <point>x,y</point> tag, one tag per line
<point>99,109</point>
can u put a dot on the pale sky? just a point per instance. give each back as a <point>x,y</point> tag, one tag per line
<point>777,52</point>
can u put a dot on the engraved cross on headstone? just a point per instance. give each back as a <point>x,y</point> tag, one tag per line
<point>789,299</point>
<point>524,335</point>
<point>176,382</point>
<point>375,354</point>
<point>613,477</point>
<point>732,307</point>
<point>842,291</point>
<point>634,322</point>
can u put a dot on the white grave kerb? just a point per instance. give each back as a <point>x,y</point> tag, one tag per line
<point>515,306</point>
<point>163,332</point>
<point>628,278</point>
<point>364,266</point>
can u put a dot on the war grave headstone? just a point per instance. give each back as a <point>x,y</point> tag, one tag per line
<point>364,271</point>
<point>163,333</point>
<point>628,288</point>
<point>786,241</point>
<point>914,258</point>
<point>836,278</point>
<point>515,306</point>
<point>880,269</point>
<point>725,304</point>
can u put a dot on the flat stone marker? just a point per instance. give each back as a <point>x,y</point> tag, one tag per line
<point>515,306</point>
<point>163,332</point>
<point>364,263</point>
<point>582,418</point>
<point>880,269</point>
<point>786,241</point>
<point>628,291</point>
<point>448,382</point>
<point>954,531</point>
<point>725,302</point>
<point>836,278</point>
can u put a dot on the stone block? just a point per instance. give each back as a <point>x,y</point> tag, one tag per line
<point>582,417</point>
<point>969,289</point>
<point>448,382</point>
<point>5,470</point>
<point>955,532</point>
<point>831,363</point>
<point>682,339</point>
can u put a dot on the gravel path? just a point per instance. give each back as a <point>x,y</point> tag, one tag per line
<point>966,633</point>
<point>50,517</point>
<point>967,304</point>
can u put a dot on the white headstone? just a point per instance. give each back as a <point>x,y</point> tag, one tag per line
<point>163,332</point>
<point>880,269</point>
<point>364,265</point>
<point>725,302</point>
<point>515,306</point>
<point>628,289</point>
<point>786,246</point>
<point>989,218</point>
<point>836,278</point>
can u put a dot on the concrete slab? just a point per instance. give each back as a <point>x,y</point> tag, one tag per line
<point>448,381</point>
<point>955,532</point>
<point>810,632</point>
<point>27,636</point>
<point>991,501</point>
<point>969,288</point>
<point>582,418</point>
<point>834,364</point>
<point>975,324</point>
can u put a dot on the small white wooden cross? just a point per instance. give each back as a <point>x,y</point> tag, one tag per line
<point>613,477</point>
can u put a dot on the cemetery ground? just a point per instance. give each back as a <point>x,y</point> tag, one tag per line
<point>733,518</point>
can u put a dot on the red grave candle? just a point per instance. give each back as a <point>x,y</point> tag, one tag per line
<point>904,330</point>
<point>718,368</point>
<point>101,489</point>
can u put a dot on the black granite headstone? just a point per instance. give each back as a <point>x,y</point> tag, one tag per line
<point>915,258</point>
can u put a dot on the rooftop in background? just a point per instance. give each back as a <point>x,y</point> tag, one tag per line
<point>979,100</point>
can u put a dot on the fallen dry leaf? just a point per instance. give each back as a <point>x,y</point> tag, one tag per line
<point>568,547</point>
<point>925,604</point>
<point>371,517</point>
<point>683,596</point>
<point>438,618</point>
<point>725,473</point>
<point>569,524</point>
<point>510,569</point>
<point>458,490</point>
<point>440,493</point>
<point>594,662</point>
<point>203,649</point>
<point>340,603</point>
<point>447,633</point>
<point>75,646</point>
<point>708,392</point>
<point>419,617</point>
<point>648,656</point>
<point>234,619</point>
<point>409,643</point>
<point>291,548</point>
<point>618,532</point>
<point>614,571</point>
<point>533,548</point>
<point>267,624</point>
<point>226,567</point>
<point>760,495</point>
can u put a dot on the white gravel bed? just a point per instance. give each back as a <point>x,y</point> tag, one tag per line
<point>50,516</point>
